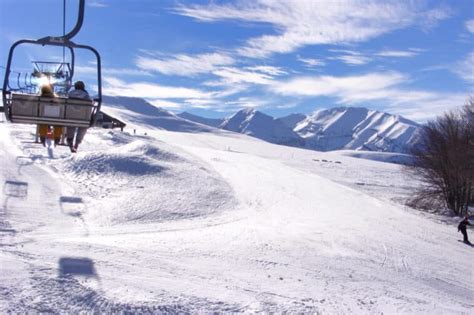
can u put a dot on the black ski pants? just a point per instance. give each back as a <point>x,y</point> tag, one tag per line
<point>464,234</point>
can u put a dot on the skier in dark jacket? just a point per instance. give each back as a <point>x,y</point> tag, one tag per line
<point>462,227</point>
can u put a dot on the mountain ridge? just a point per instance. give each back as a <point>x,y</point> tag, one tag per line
<point>337,128</point>
<point>259,125</point>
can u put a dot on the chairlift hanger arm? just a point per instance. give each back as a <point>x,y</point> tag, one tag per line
<point>67,37</point>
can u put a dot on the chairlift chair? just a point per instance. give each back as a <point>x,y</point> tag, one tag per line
<point>21,106</point>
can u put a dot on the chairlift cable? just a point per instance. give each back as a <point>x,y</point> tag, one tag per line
<point>64,28</point>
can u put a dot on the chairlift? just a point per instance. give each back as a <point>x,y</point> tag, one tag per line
<point>23,106</point>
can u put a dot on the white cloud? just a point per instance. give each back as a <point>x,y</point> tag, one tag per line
<point>184,65</point>
<point>470,26</point>
<point>353,60</point>
<point>96,4</point>
<point>165,104</point>
<point>308,22</point>
<point>270,70</point>
<point>338,86</point>
<point>116,87</point>
<point>350,57</point>
<point>92,70</point>
<point>427,106</point>
<point>234,75</point>
<point>397,53</point>
<point>384,88</point>
<point>465,68</point>
<point>248,102</point>
<point>430,18</point>
<point>312,62</point>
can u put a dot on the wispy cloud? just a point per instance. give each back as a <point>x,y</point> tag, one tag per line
<point>465,68</point>
<point>96,4</point>
<point>147,90</point>
<point>353,60</point>
<point>342,87</point>
<point>92,70</point>
<point>234,75</point>
<point>427,105</point>
<point>308,22</point>
<point>249,102</point>
<point>397,53</point>
<point>166,104</point>
<point>312,62</point>
<point>200,103</point>
<point>385,88</point>
<point>470,26</point>
<point>184,65</point>
<point>270,70</point>
<point>350,57</point>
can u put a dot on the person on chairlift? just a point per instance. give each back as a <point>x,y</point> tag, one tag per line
<point>47,91</point>
<point>79,92</point>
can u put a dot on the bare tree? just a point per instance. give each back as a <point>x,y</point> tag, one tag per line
<point>444,161</point>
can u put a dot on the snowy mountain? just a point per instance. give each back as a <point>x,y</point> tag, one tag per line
<point>256,124</point>
<point>357,129</point>
<point>137,110</point>
<point>292,120</point>
<point>205,121</point>
<point>342,128</point>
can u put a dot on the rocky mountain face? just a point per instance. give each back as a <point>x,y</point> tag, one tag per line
<point>357,129</point>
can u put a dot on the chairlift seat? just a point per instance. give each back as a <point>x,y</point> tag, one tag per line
<point>57,111</point>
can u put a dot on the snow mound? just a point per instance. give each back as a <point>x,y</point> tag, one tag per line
<point>129,175</point>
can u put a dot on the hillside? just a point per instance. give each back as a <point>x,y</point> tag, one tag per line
<point>205,121</point>
<point>197,222</point>
<point>137,110</point>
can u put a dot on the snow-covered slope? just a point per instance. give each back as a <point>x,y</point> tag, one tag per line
<point>216,222</point>
<point>138,111</point>
<point>357,129</point>
<point>256,124</point>
<point>205,121</point>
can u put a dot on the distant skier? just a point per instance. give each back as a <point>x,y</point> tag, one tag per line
<point>462,227</point>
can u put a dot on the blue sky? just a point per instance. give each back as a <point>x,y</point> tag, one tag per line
<point>212,58</point>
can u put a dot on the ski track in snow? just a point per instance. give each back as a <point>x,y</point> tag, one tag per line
<point>205,223</point>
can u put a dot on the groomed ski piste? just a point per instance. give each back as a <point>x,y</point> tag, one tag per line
<point>157,221</point>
